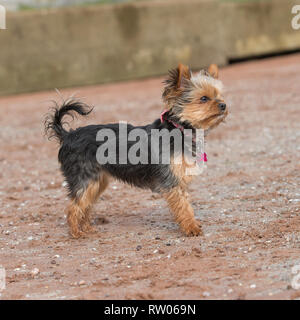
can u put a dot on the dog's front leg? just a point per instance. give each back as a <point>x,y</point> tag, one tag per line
<point>177,200</point>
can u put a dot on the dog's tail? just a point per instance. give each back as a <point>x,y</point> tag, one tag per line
<point>53,123</point>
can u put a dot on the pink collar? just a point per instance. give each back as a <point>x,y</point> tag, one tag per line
<point>199,157</point>
<point>176,125</point>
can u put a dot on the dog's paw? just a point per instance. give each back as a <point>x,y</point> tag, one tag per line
<point>77,234</point>
<point>193,229</point>
<point>87,228</point>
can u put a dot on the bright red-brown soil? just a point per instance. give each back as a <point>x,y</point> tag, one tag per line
<point>247,199</point>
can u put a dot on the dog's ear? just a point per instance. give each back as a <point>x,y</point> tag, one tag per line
<point>213,70</point>
<point>177,79</point>
<point>184,73</point>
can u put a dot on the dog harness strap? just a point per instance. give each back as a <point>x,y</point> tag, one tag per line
<point>200,157</point>
<point>162,115</point>
<point>176,125</point>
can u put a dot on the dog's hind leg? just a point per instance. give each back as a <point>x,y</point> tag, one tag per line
<point>80,207</point>
<point>76,213</point>
<point>94,194</point>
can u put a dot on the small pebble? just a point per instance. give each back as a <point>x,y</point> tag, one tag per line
<point>81,283</point>
<point>35,272</point>
<point>206,294</point>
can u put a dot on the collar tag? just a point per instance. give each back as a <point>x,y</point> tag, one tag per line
<point>202,157</point>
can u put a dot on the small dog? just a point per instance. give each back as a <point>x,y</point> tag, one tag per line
<point>192,102</point>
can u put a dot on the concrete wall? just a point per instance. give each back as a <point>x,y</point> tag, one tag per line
<point>19,4</point>
<point>80,46</point>
<point>260,27</point>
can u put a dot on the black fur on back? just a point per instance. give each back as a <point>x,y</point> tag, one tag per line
<point>78,149</point>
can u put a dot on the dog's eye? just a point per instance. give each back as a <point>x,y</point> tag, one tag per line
<point>204,99</point>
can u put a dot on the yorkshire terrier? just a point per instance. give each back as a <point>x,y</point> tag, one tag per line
<point>191,102</point>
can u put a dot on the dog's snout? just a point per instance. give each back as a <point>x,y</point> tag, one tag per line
<point>222,106</point>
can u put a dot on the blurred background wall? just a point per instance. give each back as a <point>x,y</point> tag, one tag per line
<point>28,4</point>
<point>99,43</point>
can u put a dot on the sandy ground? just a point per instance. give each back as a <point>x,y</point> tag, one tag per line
<point>247,199</point>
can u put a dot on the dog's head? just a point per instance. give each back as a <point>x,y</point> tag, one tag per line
<point>195,99</point>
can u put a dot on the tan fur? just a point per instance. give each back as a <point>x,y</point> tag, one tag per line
<point>79,208</point>
<point>213,70</point>
<point>184,72</point>
<point>205,115</point>
<point>178,202</point>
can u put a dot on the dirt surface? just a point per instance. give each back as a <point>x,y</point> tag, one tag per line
<point>247,199</point>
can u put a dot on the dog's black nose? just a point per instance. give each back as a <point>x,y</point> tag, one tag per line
<point>222,106</point>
